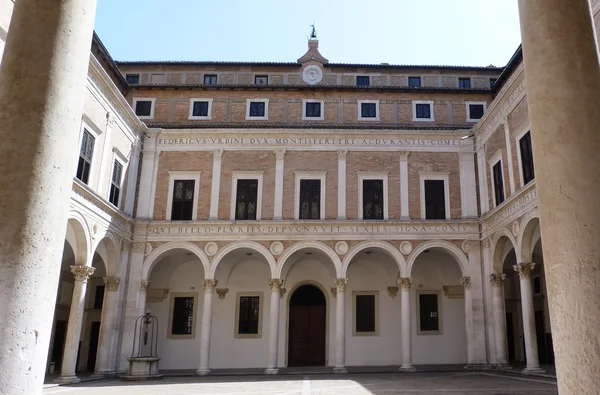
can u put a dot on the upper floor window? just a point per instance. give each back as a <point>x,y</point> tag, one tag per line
<point>368,110</point>
<point>132,79</point>
<point>493,81</point>
<point>312,110</point>
<point>210,79</point>
<point>182,206</point>
<point>310,195</point>
<point>115,183</point>
<point>144,108</point>
<point>200,108</point>
<point>526,158</point>
<point>423,111</point>
<point>475,111</point>
<point>498,182</point>
<point>464,83</point>
<point>363,80</point>
<point>372,199</point>
<point>257,109</point>
<point>261,80</point>
<point>414,82</point>
<point>246,200</point>
<point>435,199</point>
<point>86,152</point>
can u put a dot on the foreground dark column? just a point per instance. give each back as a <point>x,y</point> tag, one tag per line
<point>563,85</point>
<point>42,81</point>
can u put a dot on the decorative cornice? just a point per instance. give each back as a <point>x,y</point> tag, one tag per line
<point>340,284</point>
<point>221,292</point>
<point>393,291</point>
<point>405,282</point>
<point>524,269</point>
<point>209,285</point>
<point>466,282</point>
<point>82,273</point>
<point>275,284</point>
<point>112,283</point>
<point>497,278</point>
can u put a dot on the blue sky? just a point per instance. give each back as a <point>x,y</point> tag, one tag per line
<point>451,32</point>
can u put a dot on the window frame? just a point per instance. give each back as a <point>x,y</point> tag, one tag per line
<point>440,330</point>
<point>174,295</point>
<point>356,77</point>
<point>443,176</point>
<point>309,175</point>
<point>183,176</point>
<point>497,157</point>
<point>236,328</point>
<point>263,118</point>
<point>354,316</point>
<point>117,157</point>
<point>458,79</point>
<point>368,175</point>
<point>191,115</point>
<point>153,105</point>
<point>139,75</point>
<point>519,156</point>
<point>86,124</point>
<point>414,76</point>
<point>210,75</point>
<point>262,76</point>
<point>468,110</point>
<point>431,110</point>
<point>492,83</point>
<point>377,114</point>
<point>321,102</point>
<point>246,175</point>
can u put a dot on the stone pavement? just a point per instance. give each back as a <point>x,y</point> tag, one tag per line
<point>462,383</point>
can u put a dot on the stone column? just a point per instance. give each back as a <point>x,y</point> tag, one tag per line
<point>404,213</point>
<point>216,185</point>
<point>42,82</point>
<point>69,363</point>
<point>405,285</point>
<point>340,326</point>
<point>531,350</point>
<point>466,282</point>
<point>104,364</point>
<point>279,167</point>
<point>341,184</point>
<point>150,158</point>
<point>558,41</point>
<point>209,288</point>
<point>132,172</point>
<point>497,280</point>
<point>275,285</point>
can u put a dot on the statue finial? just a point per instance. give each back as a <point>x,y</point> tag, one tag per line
<point>313,33</point>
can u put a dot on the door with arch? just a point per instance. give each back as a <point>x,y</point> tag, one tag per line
<point>307,327</point>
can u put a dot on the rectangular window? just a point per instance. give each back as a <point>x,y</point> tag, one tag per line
<point>526,158</point>
<point>313,110</point>
<point>200,109</point>
<point>249,315</point>
<point>99,297</point>
<point>493,81</point>
<point>246,199</point>
<point>257,109</point>
<point>498,183</point>
<point>414,82</point>
<point>372,199</point>
<point>182,321</point>
<point>475,111</point>
<point>464,83</point>
<point>85,156</point>
<point>210,79</point>
<point>362,80</point>
<point>422,111</point>
<point>368,110</point>
<point>429,320</point>
<point>365,314</point>
<point>115,183</point>
<point>143,108</point>
<point>310,199</point>
<point>261,80</point>
<point>435,199</point>
<point>183,200</point>
<point>132,79</point>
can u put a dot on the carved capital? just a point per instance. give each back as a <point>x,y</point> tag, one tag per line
<point>340,284</point>
<point>405,282</point>
<point>466,282</point>
<point>144,285</point>
<point>280,154</point>
<point>393,291</point>
<point>524,269</point>
<point>209,285</point>
<point>333,291</point>
<point>342,154</point>
<point>221,292</point>
<point>112,283</point>
<point>217,154</point>
<point>275,284</point>
<point>139,247</point>
<point>497,278</point>
<point>82,273</point>
<point>282,292</point>
<point>125,245</point>
<point>403,155</point>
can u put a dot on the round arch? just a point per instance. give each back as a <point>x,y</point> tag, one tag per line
<point>155,254</point>
<point>525,242</point>
<point>498,246</point>
<point>382,245</point>
<point>242,244</point>
<point>79,238</point>
<point>317,245</point>
<point>452,249</point>
<point>109,240</point>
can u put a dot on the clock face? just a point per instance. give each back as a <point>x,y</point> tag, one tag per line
<point>312,74</point>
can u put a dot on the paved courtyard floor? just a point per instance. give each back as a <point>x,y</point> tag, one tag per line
<point>468,383</point>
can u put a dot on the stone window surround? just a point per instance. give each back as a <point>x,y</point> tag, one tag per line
<point>444,176</point>
<point>414,108</point>
<point>261,298</point>
<point>305,118</point>
<point>309,175</point>
<point>460,77</point>
<point>440,330</point>
<point>360,117</point>
<point>138,73</point>
<point>263,118</point>
<point>174,295</point>
<point>246,175</point>
<point>373,175</point>
<point>118,157</point>
<point>151,99</point>
<point>183,175</point>
<point>497,157</point>
<point>96,132</point>
<point>518,137</point>
<point>467,103</point>
<point>191,114</point>
<point>362,334</point>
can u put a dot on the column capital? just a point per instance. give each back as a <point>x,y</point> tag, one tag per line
<point>282,291</point>
<point>340,284</point>
<point>275,284</point>
<point>466,282</point>
<point>342,154</point>
<point>125,245</point>
<point>217,154</point>
<point>82,273</point>
<point>144,285</point>
<point>112,283</point>
<point>139,246</point>
<point>221,292</point>
<point>280,154</point>
<point>209,285</point>
<point>497,278</point>
<point>524,269</point>
<point>405,282</point>
<point>403,155</point>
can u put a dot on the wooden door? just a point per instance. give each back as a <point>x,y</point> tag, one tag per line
<point>307,336</point>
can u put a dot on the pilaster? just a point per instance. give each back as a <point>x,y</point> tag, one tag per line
<point>216,185</point>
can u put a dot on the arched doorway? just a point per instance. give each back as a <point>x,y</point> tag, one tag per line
<point>307,327</point>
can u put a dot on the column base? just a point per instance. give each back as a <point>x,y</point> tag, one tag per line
<point>407,368</point>
<point>67,380</point>
<point>202,372</point>
<point>271,371</point>
<point>533,370</point>
<point>340,370</point>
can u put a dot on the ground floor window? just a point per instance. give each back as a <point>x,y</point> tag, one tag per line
<point>182,315</point>
<point>248,315</point>
<point>365,313</point>
<point>429,313</point>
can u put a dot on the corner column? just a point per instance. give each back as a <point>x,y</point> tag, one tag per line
<point>531,350</point>
<point>209,288</point>
<point>497,280</point>
<point>341,185</point>
<point>404,212</point>
<point>216,185</point>
<point>340,326</point>
<point>405,284</point>
<point>69,364</point>
<point>279,167</point>
<point>104,365</point>
<point>275,284</point>
<point>466,282</point>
